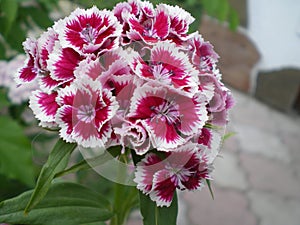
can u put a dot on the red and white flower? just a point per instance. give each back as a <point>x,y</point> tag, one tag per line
<point>169,66</point>
<point>89,31</point>
<point>168,116</point>
<point>183,169</point>
<point>148,28</point>
<point>180,21</point>
<point>202,53</point>
<point>85,111</point>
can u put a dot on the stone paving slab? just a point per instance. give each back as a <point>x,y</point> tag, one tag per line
<point>272,209</point>
<point>230,207</point>
<point>227,172</point>
<point>271,176</point>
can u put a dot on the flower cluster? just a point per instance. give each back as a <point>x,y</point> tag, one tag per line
<point>133,77</point>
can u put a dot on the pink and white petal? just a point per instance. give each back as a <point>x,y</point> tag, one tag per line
<point>193,114</point>
<point>180,19</point>
<point>219,118</point>
<point>62,63</point>
<point>120,8</point>
<point>147,8</point>
<point>206,86</point>
<point>64,119</point>
<point>30,46</point>
<point>145,171</point>
<point>163,188</point>
<point>86,135</point>
<point>162,22</point>
<point>89,67</point>
<point>194,182</point>
<point>46,44</point>
<point>205,137</point>
<point>106,107</point>
<point>44,105</point>
<point>27,73</point>
<point>47,84</point>
<point>216,142</point>
<point>66,95</point>
<point>163,135</point>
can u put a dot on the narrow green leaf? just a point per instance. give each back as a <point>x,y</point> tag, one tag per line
<point>15,152</point>
<point>153,215</point>
<point>228,135</point>
<point>16,36</point>
<point>210,189</point>
<point>65,203</point>
<point>9,9</point>
<point>57,161</point>
<point>2,50</point>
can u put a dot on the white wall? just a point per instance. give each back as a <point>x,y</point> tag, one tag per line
<point>274,26</point>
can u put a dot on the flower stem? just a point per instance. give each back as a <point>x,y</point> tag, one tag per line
<point>119,191</point>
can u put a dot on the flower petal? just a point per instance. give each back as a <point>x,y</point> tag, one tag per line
<point>44,106</point>
<point>145,171</point>
<point>62,63</point>
<point>163,188</point>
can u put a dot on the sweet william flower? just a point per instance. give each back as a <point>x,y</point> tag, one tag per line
<point>202,53</point>
<point>149,29</point>
<point>168,116</point>
<point>159,176</point>
<point>168,66</point>
<point>89,31</point>
<point>84,114</point>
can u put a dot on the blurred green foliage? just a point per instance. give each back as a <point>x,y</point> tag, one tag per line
<point>17,17</point>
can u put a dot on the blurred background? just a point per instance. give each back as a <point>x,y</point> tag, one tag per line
<point>257,176</point>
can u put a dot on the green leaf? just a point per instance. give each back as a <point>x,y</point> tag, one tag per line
<point>222,10</point>
<point>233,20</point>
<point>93,162</point>
<point>15,152</point>
<point>2,50</point>
<point>210,189</point>
<point>16,36</point>
<point>57,161</point>
<point>3,98</point>
<point>38,15</point>
<point>153,215</point>
<point>65,203</point>
<point>9,10</point>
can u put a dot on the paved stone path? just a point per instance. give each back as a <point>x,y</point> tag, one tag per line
<point>256,177</point>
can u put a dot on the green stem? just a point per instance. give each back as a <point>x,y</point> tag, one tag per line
<point>125,197</point>
<point>119,189</point>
